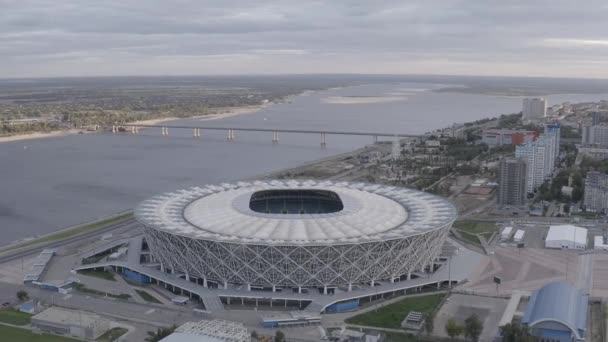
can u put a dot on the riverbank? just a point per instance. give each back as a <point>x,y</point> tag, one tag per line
<point>38,135</point>
<point>217,114</point>
<point>226,112</point>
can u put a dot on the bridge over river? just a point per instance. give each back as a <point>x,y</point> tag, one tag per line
<point>231,132</point>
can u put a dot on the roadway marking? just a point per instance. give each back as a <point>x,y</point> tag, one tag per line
<point>149,311</point>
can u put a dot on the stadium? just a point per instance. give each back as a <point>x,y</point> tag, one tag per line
<point>280,235</point>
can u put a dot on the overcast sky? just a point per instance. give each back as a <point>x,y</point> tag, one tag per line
<point>149,37</point>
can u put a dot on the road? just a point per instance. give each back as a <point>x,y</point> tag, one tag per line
<point>37,248</point>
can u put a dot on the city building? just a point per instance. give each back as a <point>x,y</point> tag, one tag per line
<point>534,109</point>
<point>295,234</point>
<point>557,312</point>
<point>553,129</point>
<point>79,324</point>
<point>596,192</point>
<point>594,152</point>
<point>496,137</point>
<point>566,236</point>
<point>595,135</point>
<point>432,143</point>
<point>215,330</point>
<point>511,182</point>
<point>540,160</point>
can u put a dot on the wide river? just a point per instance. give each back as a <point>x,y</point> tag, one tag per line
<point>48,184</point>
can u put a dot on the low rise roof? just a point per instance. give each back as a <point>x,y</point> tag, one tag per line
<point>567,232</point>
<point>558,302</point>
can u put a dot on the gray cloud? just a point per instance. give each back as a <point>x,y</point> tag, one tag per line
<point>72,38</point>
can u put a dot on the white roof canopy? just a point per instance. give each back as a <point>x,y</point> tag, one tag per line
<point>370,213</point>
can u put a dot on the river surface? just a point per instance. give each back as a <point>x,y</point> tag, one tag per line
<point>48,184</point>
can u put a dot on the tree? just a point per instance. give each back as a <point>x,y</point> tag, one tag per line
<point>513,332</point>
<point>22,295</point>
<point>279,336</point>
<point>472,327</point>
<point>428,325</point>
<point>453,329</point>
<point>254,334</point>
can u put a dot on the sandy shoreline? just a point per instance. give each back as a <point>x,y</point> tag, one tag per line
<point>361,99</point>
<point>38,135</point>
<point>227,112</point>
<point>220,113</point>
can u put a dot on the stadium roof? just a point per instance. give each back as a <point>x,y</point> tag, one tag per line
<point>370,213</point>
<point>558,302</point>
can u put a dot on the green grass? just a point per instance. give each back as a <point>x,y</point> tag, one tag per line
<point>98,274</point>
<point>82,288</point>
<point>112,335</point>
<point>148,297</point>
<point>397,337</point>
<point>390,316</point>
<point>22,335</point>
<point>75,231</point>
<point>587,215</point>
<point>469,229</point>
<point>15,317</point>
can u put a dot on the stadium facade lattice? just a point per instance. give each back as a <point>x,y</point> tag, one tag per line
<point>295,234</point>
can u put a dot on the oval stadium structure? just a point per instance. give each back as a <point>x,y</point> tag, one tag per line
<point>295,234</point>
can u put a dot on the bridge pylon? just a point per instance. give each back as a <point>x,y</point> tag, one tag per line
<point>275,137</point>
<point>231,135</point>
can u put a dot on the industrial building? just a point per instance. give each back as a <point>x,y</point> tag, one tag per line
<point>557,312</point>
<point>79,324</point>
<point>596,192</point>
<point>566,236</point>
<point>519,235</point>
<point>216,330</point>
<point>295,235</point>
<point>511,182</point>
<point>506,233</point>
<point>600,242</point>
<point>534,109</point>
<point>496,137</point>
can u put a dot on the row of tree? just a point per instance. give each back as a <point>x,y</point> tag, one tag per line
<point>471,329</point>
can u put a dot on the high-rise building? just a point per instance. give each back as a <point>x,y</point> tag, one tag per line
<point>554,130</point>
<point>596,192</point>
<point>540,160</point>
<point>595,135</point>
<point>512,182</point>
<point>595,118</point>
<point>534,109</point>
